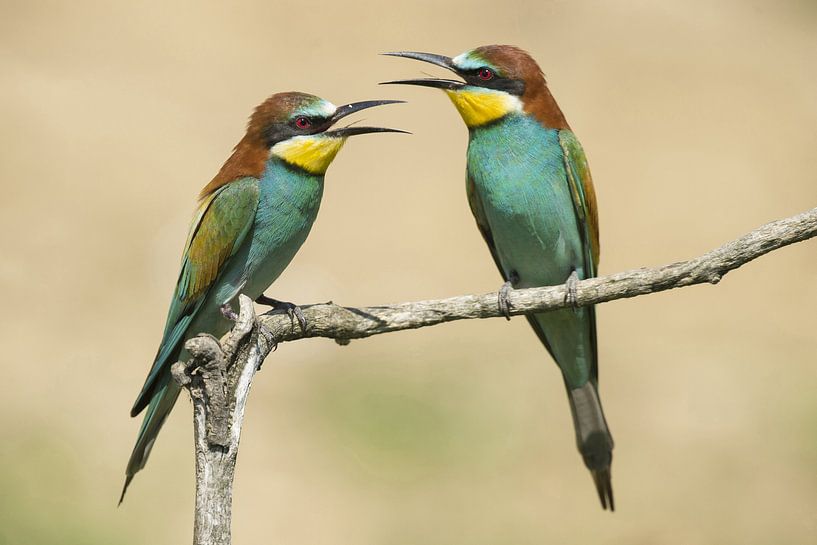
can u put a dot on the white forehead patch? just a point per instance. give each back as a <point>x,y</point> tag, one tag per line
<point>465,61</point>
<point>327,109</point>
<point>324,108</point>
<point>321,108</point>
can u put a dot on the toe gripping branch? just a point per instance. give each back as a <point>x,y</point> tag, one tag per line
<point>293,311</point>
<point>572,290</point>
<point>504,295</point>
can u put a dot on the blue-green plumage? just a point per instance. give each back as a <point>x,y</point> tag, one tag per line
<point>526,190</point>
<point>532,195</point>
<point>522,196</point>
<point>251,220</point>
<point>272,218</point>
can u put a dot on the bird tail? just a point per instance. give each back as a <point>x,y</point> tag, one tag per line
<point>162,401</point>
<point>593,438</point>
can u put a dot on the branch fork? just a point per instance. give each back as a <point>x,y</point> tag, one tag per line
<point>218,377</point>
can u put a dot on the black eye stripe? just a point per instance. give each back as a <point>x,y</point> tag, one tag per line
<point>315,121</point>
<point>276,132</point>
<point>497,81</point>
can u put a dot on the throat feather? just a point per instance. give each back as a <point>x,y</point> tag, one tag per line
<point>481,106</point>
<point>312,153</point>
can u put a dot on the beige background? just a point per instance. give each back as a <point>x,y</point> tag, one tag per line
<point>699,122</point>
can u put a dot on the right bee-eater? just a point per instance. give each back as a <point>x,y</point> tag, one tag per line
<point>531,193</point>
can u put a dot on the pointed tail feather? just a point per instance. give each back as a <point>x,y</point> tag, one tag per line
<point>164,397</point>
<point>593,438</point>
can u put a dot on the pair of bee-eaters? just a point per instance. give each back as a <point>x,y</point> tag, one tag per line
<point>528,185</point>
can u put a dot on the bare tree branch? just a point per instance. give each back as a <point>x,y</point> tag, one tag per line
<point>219,376</point>
<point>345,323</point>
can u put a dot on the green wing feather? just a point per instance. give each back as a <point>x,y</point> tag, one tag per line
<point>219,227</point>
<point>587,219</point>
<point>584,203</point>
<point>584,197</point>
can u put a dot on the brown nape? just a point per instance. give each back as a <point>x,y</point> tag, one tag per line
<point>249,158</point>
<point>516,63</point>
<point>539,103</point>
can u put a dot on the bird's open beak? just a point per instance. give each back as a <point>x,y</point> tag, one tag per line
<point>439,60</point>
<point>348,109</point>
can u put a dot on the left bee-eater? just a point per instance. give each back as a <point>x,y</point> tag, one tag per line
<point>251,220</point>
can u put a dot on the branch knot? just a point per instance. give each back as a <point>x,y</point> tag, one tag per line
<point>207,375</point>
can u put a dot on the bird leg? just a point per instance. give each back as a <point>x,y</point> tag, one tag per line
<point>292,310</point>
<point>228,312</point>
<point>572,290</point>
<point>504,297</point>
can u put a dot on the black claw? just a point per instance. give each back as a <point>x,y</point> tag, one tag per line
<point>572,290</point>
<point>299,314</point>
<point>293,311</point>
<point>504,299</point>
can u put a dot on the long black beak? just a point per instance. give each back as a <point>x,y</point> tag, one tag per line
<point>348,109</point>
<point>439,60</point>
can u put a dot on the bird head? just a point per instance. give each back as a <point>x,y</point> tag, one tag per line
<point>497,81</point>
<point>297,129</point>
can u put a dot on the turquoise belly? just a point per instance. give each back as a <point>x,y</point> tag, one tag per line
<point>518,169</point>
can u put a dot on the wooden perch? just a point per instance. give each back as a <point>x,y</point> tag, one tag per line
<point>219,376</point>
<point>345,323</point>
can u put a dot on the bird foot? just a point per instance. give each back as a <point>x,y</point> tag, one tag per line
<point>504,296</point>
<point>228,312</point>
<point>293,311</point>
<point>504,299</point>
<point>572,290</point>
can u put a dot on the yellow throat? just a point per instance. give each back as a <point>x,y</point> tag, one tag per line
<point>480,106</point>
<point>313,153</point>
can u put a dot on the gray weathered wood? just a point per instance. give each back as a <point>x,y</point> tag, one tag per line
<point>219,376</point>
<point>345,323</point>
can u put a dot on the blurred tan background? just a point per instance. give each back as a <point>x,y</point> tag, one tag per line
<point>699,121</point>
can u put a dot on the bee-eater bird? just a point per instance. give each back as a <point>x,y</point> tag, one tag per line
<point>530,191</point>
<point>251,220</point>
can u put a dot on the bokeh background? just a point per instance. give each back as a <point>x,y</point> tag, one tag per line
<point>699,121</point>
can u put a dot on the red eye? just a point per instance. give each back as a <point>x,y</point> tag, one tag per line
<point>485,74</point>
<point>303,123</point>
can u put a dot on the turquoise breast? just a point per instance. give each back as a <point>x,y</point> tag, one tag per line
<point>517,167</point>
